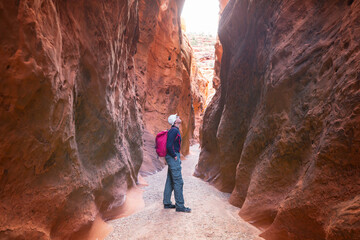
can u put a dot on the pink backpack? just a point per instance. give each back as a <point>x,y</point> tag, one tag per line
<point>160,140</point>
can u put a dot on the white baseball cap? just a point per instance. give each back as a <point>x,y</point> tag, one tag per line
<point>172,119</point>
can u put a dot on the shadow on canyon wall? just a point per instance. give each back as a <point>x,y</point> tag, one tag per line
<point>85,85</point>
<point>282,132</point>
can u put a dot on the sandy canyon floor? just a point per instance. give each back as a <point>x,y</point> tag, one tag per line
<point>212,217</point>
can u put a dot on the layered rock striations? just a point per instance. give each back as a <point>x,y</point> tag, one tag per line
<point>163,70</point>
<point>71,133</point>
<point>198,88</point>
<point>218,50</point>
<point>78,81</point>
<point>201,48</point>
<point>282,133</point>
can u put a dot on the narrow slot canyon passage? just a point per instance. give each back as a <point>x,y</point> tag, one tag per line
<point>269,103</point>
<point>212,216</point>
<point>200,31</point>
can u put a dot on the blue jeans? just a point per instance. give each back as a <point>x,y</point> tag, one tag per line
<point>174,182</point>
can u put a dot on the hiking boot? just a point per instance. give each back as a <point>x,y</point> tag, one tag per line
<point>167,206</point>
<point>184,209</point>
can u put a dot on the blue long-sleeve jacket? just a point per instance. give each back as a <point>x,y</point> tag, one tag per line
<point>173,142</point>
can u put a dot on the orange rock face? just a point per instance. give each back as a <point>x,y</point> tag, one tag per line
<point>71,135</point>
<point>200,85</point>
<point>79,80</point>
<point>163,76</point>
<point>282,133</point>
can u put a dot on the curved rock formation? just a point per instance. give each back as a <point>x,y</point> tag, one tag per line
<point>200,89</point>
<point>71,134</point>
<point>78,81</point>
<point>163,68</point>
<point>218,50</point>
<point>163,76</point>
<point>282,133</point>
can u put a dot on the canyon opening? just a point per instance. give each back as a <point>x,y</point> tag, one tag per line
<point>269,105</point>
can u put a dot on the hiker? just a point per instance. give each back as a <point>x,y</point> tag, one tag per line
<point>174,180</point>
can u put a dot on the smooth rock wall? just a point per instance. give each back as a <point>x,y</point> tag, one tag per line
<point>71,135</point>
<point>218,50</point>
<point>163,69</point>
<point>282,134</point>
<point>85,86</point>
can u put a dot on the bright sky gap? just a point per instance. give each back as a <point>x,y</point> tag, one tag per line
<point>201,16</point>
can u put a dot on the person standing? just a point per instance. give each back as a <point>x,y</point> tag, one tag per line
<point>174,180</point>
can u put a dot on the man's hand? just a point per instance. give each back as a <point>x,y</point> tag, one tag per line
<point>175,157</point>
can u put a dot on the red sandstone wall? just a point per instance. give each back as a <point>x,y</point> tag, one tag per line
<point>218,50</point>
<point>70,128</point>
<point>78,81</point>
<point>282,134</point>
<point>162,73</point>
<point>199,89</point>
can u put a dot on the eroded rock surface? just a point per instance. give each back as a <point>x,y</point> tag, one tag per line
<point>78,81</point>
<point>282,133</point>
<point>200,85</point>
<point>163,69</point>
<point>71,135</point>
<point>218,50</point>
